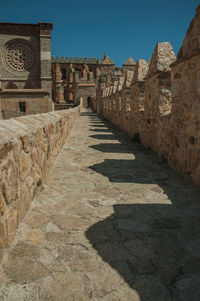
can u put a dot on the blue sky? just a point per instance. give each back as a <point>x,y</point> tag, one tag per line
<point>121,28</point>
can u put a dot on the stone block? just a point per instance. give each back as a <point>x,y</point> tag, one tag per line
<point>25,164</point>
<point>140,71</point>
<point>2,207</point>
<point>10,225</point>
<point>9,181</point>
<point>2,236</point>
<point>162,58</point>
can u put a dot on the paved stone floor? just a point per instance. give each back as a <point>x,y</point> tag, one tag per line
<point>112,222</point>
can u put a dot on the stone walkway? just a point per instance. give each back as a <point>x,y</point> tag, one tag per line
<point>113,223</point>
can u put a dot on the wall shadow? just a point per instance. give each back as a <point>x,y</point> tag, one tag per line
<point>104,137</point>
<point>100,130</point>
<point>98,125</point>
<point>152,240</point>
<point>154,248</point>
<point>109,148</point>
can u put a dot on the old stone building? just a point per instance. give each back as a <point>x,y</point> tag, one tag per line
<point>75,79</point>
<point>25,69</point>
<point>31,81</point>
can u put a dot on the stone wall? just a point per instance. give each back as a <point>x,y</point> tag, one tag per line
<point>28,148</point>
<point>86,91</point>
<point>161,106</point>
<point>185,120</point>
<point>35,101</point>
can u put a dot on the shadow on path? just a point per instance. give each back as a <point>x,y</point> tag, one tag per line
<point>153,238</point>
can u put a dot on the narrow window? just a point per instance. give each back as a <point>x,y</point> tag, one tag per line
<point>63,73</point>
<point>22,106</point>
<point>65,94</point>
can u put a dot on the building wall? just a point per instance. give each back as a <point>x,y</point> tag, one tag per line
<point>9,72</point>
<point>36,101</point>
<point>69,72</point>
<point>25,60</point>
<point>86,91</point>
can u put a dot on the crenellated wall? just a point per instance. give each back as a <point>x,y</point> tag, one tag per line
<point>75,78</point>
<point>185,121</point>
<point>161,106</point>
<point>28,148</point>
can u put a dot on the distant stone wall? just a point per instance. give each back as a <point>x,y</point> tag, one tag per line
<point>28,148</point>
<point>85,91</point>
<point>161,106</point>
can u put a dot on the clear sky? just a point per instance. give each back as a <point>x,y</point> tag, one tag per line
<point>121,28</point>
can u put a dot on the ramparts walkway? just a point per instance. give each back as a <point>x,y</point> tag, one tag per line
<point>113,223</point>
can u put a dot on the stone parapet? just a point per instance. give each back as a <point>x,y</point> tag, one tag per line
<point>81,60</point>
<point>185,119</point>
<point>162,109</point>
<point>75,60</point>
<point>191,42</point>
<point>28,148</point>
<point>163,56</point>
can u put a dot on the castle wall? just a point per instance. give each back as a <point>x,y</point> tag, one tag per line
<point>162,108</point>
<point>28,148</point>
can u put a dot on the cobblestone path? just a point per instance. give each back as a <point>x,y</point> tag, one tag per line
<point>112,222</point>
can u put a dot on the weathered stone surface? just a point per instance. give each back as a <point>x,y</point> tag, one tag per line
<point>24,249</point>
<point>21,270</point>
<point>191,43</point>
<point>68,286</point>
<point>141,70</point>
<point>20,292</point>
<point>10,225</point>
<point>9,180</point>
<point>161,110</point>
<point>29,146</point>
<point>2,207</point>
<point>36,236</point>
<point>70,223</point>
<point>162,58</point>
<point>37,220</point>
<point>133,235</point>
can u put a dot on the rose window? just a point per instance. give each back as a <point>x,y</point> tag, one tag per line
<point>19,57</point>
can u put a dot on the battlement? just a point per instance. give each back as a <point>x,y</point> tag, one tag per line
<point>72,60</point>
